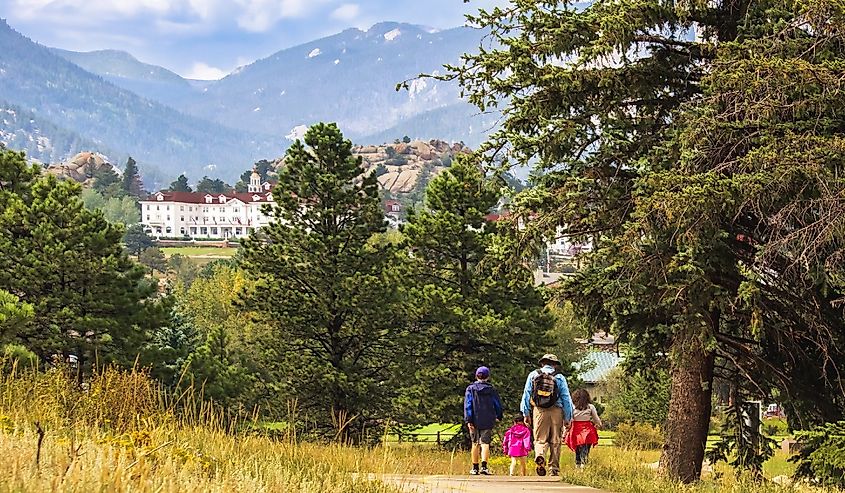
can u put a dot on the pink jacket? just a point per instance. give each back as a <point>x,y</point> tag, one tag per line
<point>517,441</point>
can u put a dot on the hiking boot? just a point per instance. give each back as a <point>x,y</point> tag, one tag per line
<point>541,465</point>
<point>473,472</point>
<point>555,472</point>
<point>485,472</point>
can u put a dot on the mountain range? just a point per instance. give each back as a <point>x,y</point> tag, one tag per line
<point>64,102</point>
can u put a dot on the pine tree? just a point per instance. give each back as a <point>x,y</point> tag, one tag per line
<point>475,313</point>
<point>328,287</point>
<point>132,184</point>
<point>68,263</point>
<point>106,181</point>
<point>137,240</point>
<point>207,185</point>
<point>657,148</point>
<point>180,185</point>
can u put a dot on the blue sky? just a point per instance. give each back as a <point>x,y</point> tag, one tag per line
<point>209,38</point>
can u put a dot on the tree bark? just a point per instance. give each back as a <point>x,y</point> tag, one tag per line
<point>689,407</point>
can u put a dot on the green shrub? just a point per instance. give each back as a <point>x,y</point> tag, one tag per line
<point>821,456</point>
<point>775,427</point>
<point>638,436</point>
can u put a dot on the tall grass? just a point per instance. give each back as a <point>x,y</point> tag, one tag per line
<point>119,432</point>
<point>631,471</point>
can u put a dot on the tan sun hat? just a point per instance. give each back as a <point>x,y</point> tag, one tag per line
<point>551,358</point>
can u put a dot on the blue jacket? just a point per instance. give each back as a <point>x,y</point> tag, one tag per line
<point>482,406</point>
<point>564,401</point>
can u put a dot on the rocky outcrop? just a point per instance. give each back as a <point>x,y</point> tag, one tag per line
<point>401,166</point>
<point>80,168</point>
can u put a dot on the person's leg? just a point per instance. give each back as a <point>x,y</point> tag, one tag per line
<point>485,455</point>
<point>555,420</point>
<point>585,455</point>
<point>542,430</point>
<point>579,450</point>
<point>522,466</point>
<point>485,437</point>
<point>514,460</point>
<point>475,451</point>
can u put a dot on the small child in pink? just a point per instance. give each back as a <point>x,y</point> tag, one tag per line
<point>517,444</point>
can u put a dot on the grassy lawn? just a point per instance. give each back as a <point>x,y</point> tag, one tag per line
<point>199,251</point>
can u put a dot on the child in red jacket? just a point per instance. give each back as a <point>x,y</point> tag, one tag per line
<point>583,434</point>
<point>517,443</point>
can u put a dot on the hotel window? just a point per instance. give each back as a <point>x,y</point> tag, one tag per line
<point>168,207</point>
<point>193,231</point>
<point>190,209</point>
<point>182,218</point>
<point>182,231</point>
<point>168,230</point>
<point>204,231</point>
<point>148,217</point>
<point>158,207</point>
<point>181,207</point>
<point>148,206</point>
<point>168,217</point>
<point>214,231</point>
<point>238,231</point>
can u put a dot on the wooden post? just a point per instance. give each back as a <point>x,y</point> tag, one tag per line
<point>399,435</point>
<point>438,438</point>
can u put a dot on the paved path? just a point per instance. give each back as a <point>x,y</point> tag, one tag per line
<point>482,484</point>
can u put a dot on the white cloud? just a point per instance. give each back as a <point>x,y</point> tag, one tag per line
<point>261,15</point>
<point>346,12</point>
<point>251,15</point>
<point>203,71</point>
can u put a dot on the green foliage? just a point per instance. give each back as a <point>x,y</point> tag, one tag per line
<point>333,297</point>
<point>473,311</point>
<point>123,210</point>
<point>702,170</point>
<point>821,456</point>
<point>207,185</point>
<point>132,184</point>
<point>136,239</point>
<point>742,444</point>
<point>180,185</point>
<point>13,314</point>
<point>107,181</point>
<point>406,139</point>
<point>183,267</point>
<point>638,436</point>
<point>637,397</point>
<point>67,262</point>
<point>153,259</point>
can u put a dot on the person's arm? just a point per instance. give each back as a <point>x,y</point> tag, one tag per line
<point>564,399</point>
<point>525,406</point>
<point>497,405</point>
<point>595,416</point>
<point>468,415</point>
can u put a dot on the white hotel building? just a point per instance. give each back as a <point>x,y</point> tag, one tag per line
<point>207,216</point>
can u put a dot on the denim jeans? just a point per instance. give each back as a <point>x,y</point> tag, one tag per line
<point>582,453</point>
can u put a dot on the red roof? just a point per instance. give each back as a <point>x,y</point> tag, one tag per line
<point>493,217</point>
<point>199,197</point>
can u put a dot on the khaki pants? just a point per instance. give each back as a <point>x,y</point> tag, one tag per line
<point>548,428</point>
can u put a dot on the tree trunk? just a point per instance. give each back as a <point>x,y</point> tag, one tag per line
<point>689,408</point>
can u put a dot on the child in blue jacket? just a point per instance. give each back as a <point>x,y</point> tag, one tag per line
<point>482,409</point>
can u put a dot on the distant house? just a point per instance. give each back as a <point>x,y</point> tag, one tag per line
<point>602,356</point>
<point>218,216</point>
<point>393,212</point>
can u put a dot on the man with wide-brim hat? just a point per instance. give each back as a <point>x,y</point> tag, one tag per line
<point>547,408</point>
